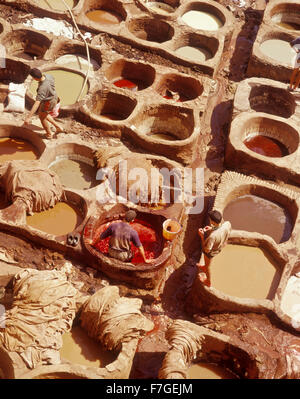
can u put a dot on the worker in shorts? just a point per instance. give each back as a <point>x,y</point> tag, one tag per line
<point>46,101</point>
<point>214,237</point>
<point>295,77</point>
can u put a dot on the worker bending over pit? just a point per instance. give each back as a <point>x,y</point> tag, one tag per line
<point>213,238</point>
<point>121,235</point>
<point>46,100</point>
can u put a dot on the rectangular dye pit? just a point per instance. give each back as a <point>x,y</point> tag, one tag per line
<point>244,272</point>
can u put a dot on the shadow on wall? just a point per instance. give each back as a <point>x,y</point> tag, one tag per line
<point>244,44</point>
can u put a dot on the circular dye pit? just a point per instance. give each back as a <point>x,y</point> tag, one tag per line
<point>266,146</point>
<point>244,272</point>
<point>131,85</point>
<point>255,214</point>
<point>77,61</point>
<point>104,17</point>
<point>64,80</point>
<point>160,8</point>
<point>279,50</point>
<point>56,5</point>
<point>147,235</point>
<point>287,20</point>
<point>210,371</point>
<point>202,20</point>
<point>60,220</point>
<point>75,174</point>
<point>13,148</point>
<point>193,53</point>
<point>79,348</point>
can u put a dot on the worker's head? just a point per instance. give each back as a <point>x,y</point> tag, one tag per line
<point>215,217</point>
<point>130,216</point>
<point>35,73</point>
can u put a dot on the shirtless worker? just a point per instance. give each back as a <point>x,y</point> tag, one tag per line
<point>46,100</point>
<point>213,238</point>
<point>121,235</point>
<point>295,77</point>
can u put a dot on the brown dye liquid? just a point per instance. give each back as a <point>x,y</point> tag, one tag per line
<point>209,371</point>
<point>266,146</point>
<point>67,84</point>
<point>279,50</point>
<point>79,348</point>
<point>75,174</point>
<point>104,17</point>
<point>11,149</point>
<point>192,53</point>
<point>256,214</point>
<point>163,136</point>
<point>57,5</point>
<point>244,272</point>
<point>59,220</point>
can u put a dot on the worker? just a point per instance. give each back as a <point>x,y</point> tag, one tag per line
<point>213,238</point>
<point>121,235</point>
<point>46,101</point>
<point>295,77</point>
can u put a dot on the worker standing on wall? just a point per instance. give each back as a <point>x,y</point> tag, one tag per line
<point>213,238</point>
<point>46,101</point>
<point>295,77</point>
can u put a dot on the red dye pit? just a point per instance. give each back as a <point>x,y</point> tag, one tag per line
<point>126,84</point>
<point>146,234</point>
<point>266,146</point>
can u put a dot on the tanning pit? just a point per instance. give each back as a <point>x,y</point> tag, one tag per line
<point>70,214</point>
<point>152,30</point>
<point>26,44</point>
<point>179,88</point>
<point>74,165</point>
<point>134,76</point>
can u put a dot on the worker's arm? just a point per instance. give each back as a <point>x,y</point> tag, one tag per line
<point>32,111</point>
<point>201,233</point>
<point>141,249</point>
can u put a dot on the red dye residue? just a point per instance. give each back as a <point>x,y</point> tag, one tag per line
<point>266,146</point>
<point>147,235</point>
<point>126,84</point>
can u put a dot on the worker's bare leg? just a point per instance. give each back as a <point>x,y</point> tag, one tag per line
<point>45,123</point>
<point>54,123</point>
<point>293,78</point>
<point>297,80</point>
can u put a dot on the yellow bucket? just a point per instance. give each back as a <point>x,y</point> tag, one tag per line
<point>170,229</point>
